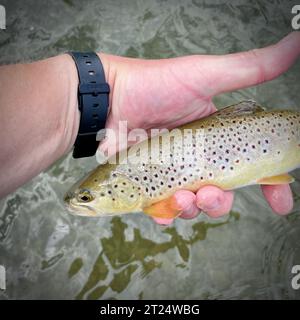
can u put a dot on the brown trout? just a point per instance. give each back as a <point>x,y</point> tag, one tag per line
<point>237,146</point>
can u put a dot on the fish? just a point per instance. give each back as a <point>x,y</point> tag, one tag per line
<point>237,146</point>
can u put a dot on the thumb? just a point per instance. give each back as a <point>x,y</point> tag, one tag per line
<point>239,70</point>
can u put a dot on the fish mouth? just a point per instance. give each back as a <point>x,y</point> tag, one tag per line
<point>81,210</point>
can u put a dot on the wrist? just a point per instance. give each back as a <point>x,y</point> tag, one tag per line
<point>110,70</point>
<point>72,114</point>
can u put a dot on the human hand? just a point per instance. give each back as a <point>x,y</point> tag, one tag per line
<point>167,93</point>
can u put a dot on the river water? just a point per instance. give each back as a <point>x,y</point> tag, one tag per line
<point>50,254</point>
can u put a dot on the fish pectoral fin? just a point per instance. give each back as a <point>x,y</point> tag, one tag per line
<point>167,208</point>
<point>244,107</point>
<point>281,179</point>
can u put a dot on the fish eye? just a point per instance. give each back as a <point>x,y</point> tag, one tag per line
<point>85,196</point>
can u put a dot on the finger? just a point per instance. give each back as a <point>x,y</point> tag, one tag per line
<point>214,201</point>
<point>186,200</point>
<point>280,198</point>
<point>240,70</point>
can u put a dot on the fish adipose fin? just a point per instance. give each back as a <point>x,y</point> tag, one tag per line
<point>167,208</point>
<point>243,108</point>
<point>281,179</point>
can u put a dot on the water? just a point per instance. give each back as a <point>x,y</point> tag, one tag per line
<point>51,254</point>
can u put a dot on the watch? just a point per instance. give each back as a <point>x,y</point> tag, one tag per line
<point>93,102</point>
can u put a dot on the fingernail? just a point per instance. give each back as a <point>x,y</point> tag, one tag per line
<point>184,198</point>
<point>214,205</point>
<point>190,213</point>
<point>163,221</point>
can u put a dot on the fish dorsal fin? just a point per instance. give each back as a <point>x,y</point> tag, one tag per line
<point>242,108</point>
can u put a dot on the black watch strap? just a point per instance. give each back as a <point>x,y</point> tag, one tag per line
<point>93,102</point>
